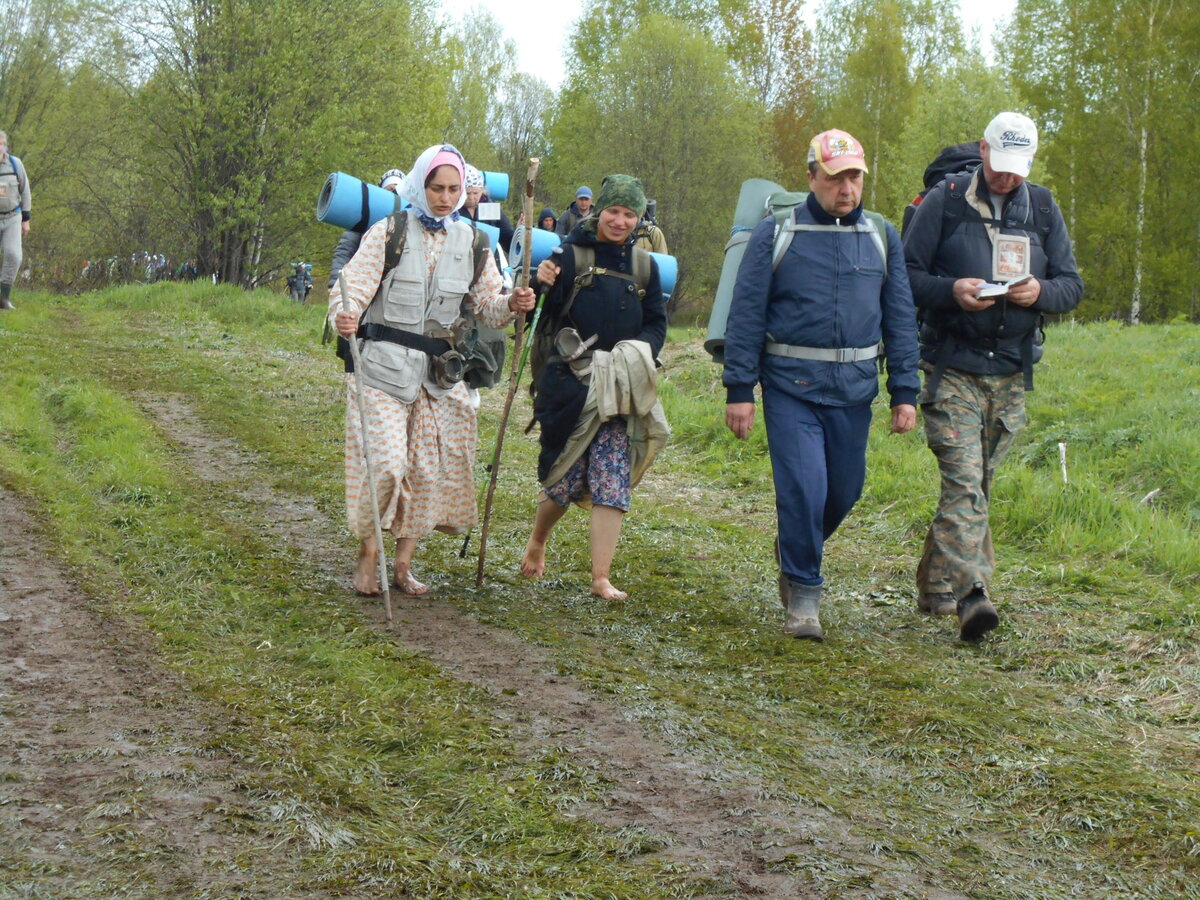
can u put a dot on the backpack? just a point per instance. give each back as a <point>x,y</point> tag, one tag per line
<point>961,158</point>
<point>484,352</point>
<point>541,349</point>
<point>782,207</point>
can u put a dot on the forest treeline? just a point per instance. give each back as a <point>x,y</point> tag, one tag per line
<point>203,129</point>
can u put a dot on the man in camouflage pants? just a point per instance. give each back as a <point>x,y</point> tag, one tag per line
<point>987,255</point>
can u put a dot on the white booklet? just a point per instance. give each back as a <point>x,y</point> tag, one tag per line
<point>987,289</point>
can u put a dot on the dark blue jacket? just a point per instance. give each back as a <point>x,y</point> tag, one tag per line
<point>939,251</point>
<point>570,218</point>
<point>828,291</point>
<point>609,308</point>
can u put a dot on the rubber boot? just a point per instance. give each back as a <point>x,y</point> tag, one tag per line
<point>5,290</point>
<point>803,606</point>
<point>976,615</point>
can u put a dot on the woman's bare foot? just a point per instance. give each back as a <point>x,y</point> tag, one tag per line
<point>533,563</point>
<point>603,589</point>
<point>366,574</point>
<point>406,584</point>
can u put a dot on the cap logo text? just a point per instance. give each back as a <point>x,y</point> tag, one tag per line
<point>840,147</point>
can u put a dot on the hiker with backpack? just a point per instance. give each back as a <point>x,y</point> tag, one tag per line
<point>300,281</point>
<point>15,208</point>
<point>576,212</point>
<point>594,361</point>
<point>648,235</point>
<point>816,292</point>
<point>419,281</point>
<point>988,254</point>
<point>478,207</point>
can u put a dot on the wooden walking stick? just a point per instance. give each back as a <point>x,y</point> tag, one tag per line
<point>515,377</point>
<point>366,445</point>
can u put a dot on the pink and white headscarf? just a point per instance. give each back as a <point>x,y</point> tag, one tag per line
<point>413,189</point>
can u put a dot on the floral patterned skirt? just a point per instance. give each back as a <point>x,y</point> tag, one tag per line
<point>601,472</point>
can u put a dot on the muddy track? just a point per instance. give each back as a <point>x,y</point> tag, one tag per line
<point>103,753</point>
<point>736,830</point>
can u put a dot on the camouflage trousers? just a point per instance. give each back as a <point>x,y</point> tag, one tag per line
<point>969,425</point>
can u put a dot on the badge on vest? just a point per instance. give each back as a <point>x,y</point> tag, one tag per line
<point>1010,257</point>
<point>3,191</point>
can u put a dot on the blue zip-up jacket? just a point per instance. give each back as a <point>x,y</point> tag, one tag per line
<point>828,291</point>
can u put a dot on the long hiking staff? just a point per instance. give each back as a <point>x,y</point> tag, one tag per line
<point>522,281</point>
<point>366,444</point>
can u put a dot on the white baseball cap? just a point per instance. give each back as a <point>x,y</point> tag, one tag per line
<point>1012,141</point>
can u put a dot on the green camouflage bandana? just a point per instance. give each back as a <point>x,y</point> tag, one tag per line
<point>622,190</point>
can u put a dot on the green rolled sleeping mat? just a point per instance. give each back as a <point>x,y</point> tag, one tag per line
<point>751,209</point>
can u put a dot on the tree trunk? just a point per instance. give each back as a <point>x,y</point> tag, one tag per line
<point>1135,306</point>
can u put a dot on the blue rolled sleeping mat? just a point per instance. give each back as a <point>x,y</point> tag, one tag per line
<point>751,209</point>
<point>495,185</point>
<point>544,242</point>
<point>354,205</point>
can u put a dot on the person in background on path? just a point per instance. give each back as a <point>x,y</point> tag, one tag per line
<point>300,281</point>
<point>604,321</point>
<point>808,330</point>
<point>15,207</point>
<point>478,207</point>
<point>977,351</point>
<point>576,212</point>
<point>423,430</point>
<point>648,235</point>
<point>547,221</point>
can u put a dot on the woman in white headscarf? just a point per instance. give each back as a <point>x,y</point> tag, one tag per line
<point>422,428</point>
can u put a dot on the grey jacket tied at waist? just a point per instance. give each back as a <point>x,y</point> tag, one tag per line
<point>623,383</point>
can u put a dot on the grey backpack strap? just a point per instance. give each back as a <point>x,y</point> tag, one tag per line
<point>871,223</point>
<point>641,270</point>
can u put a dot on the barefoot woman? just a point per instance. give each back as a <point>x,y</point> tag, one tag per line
<point>421,426</point>
<point>613,305</point>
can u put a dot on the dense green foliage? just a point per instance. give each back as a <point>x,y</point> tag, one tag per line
<point>204,128</point>
<point>1055,760</point>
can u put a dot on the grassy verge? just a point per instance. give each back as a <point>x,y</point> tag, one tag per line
<point>1057,760</point>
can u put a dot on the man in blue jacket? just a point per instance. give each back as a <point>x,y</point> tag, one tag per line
<point>988,254</point>
<point>808,329</point>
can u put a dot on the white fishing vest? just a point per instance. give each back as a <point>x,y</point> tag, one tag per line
<point>10,186</point>
<point>410,298</point>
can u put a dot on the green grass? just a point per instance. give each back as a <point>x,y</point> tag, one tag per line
<point>1058,759</point>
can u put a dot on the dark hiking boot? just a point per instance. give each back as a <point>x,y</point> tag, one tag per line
<point>803,607</point>
<point>5,303</point>
<point>976,615</point>
<point>940,603</point>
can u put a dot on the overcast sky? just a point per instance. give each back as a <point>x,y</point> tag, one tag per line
<point>540,26</point>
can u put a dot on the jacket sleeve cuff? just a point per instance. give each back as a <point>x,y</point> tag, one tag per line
<point>904,398</point>
<point>24,215</point>
<point>739,393</point>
